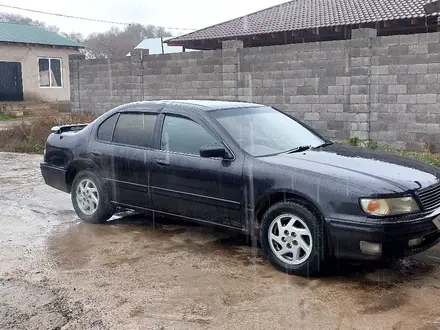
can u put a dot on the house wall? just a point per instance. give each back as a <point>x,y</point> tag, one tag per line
<point>28,57</point>
<point>385,89</point>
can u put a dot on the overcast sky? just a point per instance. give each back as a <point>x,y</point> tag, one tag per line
<point>195,14</point>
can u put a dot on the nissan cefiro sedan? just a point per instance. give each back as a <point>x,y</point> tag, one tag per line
<point>251,168</point>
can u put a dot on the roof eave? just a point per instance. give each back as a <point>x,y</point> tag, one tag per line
<point>176,43</point>
<point>181,42</point>
<point>39,44</point>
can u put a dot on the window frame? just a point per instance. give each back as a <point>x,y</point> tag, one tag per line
<point>50,76</point>
<point>117,114</point>
<point>208,129</point>
<point>130,111</point>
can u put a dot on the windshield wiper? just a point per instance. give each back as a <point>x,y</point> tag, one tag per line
<point>298,149</point>
<point>304,148</point>
<point>325,144</point>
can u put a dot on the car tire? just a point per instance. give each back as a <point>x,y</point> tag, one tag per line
<point>293,238</point>
<point>90,199</point>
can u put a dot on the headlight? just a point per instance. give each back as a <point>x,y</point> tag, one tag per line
<point>389,206</point>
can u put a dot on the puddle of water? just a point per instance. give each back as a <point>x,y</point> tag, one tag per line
<point>135,240</point>
<point>82,243</point>
<point>384,303</point>
<point>140,231</point>
<point>377,276</point>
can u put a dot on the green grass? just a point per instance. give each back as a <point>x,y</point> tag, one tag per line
<point>425,157</point>
<point>4,117</point>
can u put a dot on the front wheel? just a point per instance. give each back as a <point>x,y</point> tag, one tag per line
<point>293,239</point>
<point>90,199</point>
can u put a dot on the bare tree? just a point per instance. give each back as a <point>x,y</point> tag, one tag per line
<point>75,36</point>
<point>112,43</point>
<point>117,43</point>
<point>16,18</point>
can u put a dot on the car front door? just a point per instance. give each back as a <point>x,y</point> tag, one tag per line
<point>185,184</point>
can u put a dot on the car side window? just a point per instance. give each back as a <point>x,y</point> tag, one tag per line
<point>184,136</point>
<point>135,129</point>
<point>105,130</point>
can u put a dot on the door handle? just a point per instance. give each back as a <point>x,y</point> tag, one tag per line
<point>97,152</point>
<point>162,162</point>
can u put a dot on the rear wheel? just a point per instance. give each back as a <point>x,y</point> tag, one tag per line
<point>293,239</point>
<point>90,199</point>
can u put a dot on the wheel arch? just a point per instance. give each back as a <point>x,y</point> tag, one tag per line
<point>75,167</point>
<point>284,195</point>
<point>276,196</point>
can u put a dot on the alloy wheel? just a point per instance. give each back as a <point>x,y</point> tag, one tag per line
<point>87,196</point>
<point>290,239</point>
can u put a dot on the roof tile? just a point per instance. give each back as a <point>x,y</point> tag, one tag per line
<point>309,14</point>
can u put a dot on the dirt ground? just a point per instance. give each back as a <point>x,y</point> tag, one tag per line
<point>142,272</point>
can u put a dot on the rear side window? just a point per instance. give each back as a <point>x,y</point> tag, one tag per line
<point>105,130</point>
<point>135,129</point>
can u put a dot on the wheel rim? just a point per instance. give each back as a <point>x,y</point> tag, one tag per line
<point>290,239</point>
<point>87,196</point>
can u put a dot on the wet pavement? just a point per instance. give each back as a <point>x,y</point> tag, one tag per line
<point>146,272</point>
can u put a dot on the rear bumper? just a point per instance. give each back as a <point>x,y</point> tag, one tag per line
<point>54,177</point>
<point>392,235</point>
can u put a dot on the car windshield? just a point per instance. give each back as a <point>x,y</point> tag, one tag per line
<point>264,131</point>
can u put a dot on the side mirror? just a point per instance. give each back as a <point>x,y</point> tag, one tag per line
<point>215,150</point>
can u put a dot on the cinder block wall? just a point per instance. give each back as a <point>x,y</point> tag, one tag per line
<point>380,88</point>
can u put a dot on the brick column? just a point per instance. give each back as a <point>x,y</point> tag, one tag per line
<point>361,91</point>
<point>75,87</point>
<point>231,58</point>
<point>137,72</point>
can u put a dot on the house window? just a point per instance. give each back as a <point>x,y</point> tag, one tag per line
<point>50,72</point>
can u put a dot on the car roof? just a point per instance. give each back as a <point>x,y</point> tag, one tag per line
<point>204,105</point>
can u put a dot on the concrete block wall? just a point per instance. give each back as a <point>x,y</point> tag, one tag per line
<point>405,90</point>
<point>101,84</point>
<point>319,83</point>
<point>381,88</point>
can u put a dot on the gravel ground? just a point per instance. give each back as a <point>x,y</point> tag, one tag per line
<point>10,123</point>
<point>142,272</point>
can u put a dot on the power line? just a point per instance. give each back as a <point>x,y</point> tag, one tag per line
<point>83,18</point>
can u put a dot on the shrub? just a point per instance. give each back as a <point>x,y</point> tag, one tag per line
<point>356,142</point>
<point>30,136</point>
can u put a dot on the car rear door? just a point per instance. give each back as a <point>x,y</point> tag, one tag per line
<point>185,184</point>
<point>125,158</point>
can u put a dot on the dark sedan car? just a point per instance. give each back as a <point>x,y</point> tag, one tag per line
<point>251,168</point>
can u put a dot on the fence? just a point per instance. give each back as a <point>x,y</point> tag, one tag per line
<point>380,88</point>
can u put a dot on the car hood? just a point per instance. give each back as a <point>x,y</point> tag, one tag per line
<point>362,165</point>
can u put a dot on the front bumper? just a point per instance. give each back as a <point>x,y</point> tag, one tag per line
<point>393,235</point>
<point>54,176</point>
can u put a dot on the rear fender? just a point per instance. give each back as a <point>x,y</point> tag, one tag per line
<point>77,166</point>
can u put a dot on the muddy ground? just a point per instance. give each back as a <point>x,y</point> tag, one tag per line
<point>140,272</point>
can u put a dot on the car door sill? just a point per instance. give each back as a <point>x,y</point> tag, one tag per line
<point>180,216</point>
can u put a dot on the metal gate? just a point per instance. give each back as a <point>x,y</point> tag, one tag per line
<point>11,83</point>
